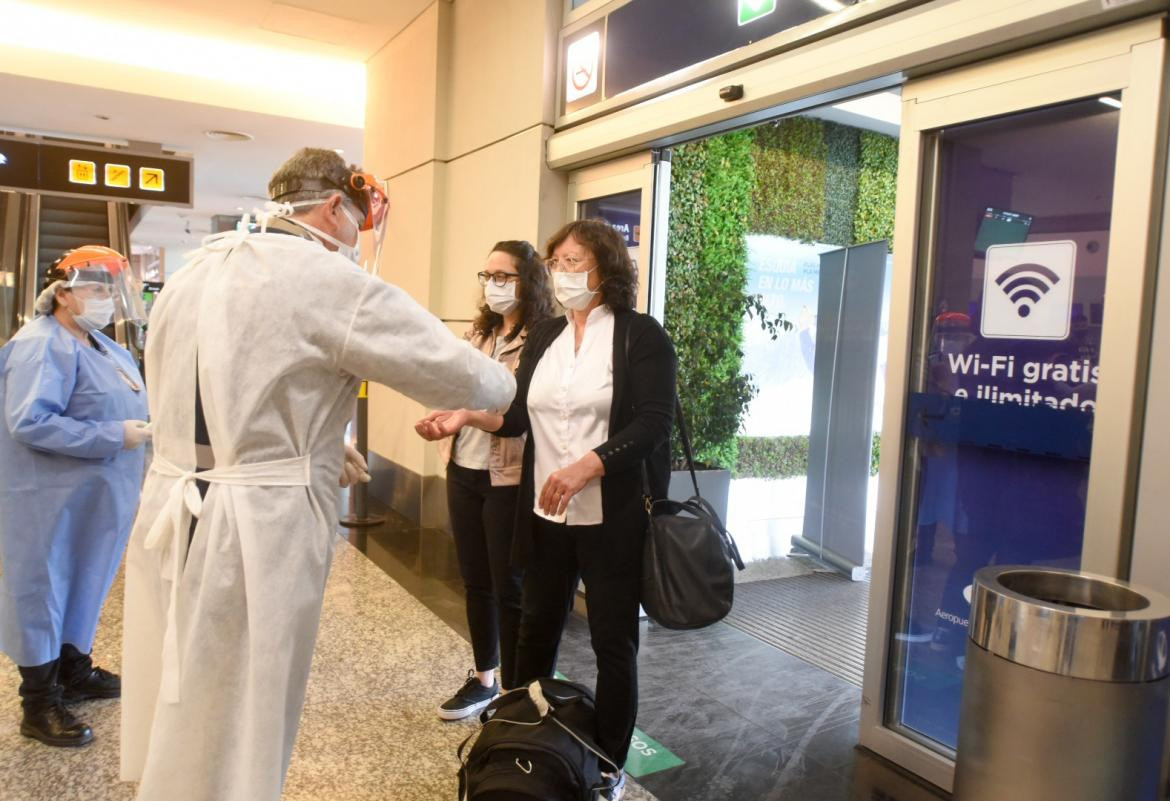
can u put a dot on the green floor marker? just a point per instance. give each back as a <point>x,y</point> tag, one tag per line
<point>646,754</point>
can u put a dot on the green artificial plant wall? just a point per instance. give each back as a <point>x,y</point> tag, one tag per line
<point>710,200</point>
<point>817,181</point>
<point>876,188</point>
<point>799,178</point>
<point>788,198</point>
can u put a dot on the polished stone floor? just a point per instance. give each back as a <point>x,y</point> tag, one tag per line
<point>748,720</point>
<point>369,732</point>
<point>745,720</point>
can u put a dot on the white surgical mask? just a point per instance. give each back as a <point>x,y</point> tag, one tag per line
<point>572,289</point>
<point>352,252</point>
<point>501,299</point>
<point>97,315</point>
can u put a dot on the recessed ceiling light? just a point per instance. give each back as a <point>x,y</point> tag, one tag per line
<point>239,208</point>
<point>228,136</point>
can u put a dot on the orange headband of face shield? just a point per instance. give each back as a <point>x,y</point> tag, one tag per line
<point>377,203</point>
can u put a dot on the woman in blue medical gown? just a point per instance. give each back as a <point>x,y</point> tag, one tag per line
<point>71,467</point>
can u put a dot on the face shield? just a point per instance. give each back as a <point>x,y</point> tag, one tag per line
<point>365,190</point>
<point>97,275</point>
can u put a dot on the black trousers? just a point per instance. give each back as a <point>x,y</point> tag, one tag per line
<point>482,520</point>
<point>609,562</point>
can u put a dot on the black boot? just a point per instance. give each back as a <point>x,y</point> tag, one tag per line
<point>45,717</point>
<point>82,681</point>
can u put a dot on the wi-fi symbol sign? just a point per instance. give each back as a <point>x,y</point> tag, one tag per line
<point>1026,285</point>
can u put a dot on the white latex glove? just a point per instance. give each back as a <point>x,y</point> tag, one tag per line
<point>135,434</point>
<point>354,469</point>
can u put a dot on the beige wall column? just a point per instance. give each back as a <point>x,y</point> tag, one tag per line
<point>459,106</point>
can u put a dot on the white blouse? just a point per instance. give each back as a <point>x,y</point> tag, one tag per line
<point>569,401</point>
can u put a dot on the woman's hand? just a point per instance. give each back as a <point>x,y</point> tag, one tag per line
<point>440,424</point>
<point>562,485</point>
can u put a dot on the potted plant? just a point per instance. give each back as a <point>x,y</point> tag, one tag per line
<point>706,304</point>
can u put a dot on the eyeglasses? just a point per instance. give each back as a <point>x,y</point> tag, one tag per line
<point>569,264</point>
<point>499,279</point>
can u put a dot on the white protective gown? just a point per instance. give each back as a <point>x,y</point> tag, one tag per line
<point>283,330</point>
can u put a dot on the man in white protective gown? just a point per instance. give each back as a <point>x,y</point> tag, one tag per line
<point>255,352</point>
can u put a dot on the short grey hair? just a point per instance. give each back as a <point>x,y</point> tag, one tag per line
<point>313,173</point>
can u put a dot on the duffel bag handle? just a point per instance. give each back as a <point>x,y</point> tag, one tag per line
<point>723,532</point>
<point>699,507</point>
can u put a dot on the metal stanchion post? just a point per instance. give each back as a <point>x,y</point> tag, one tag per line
<point>359,515</point>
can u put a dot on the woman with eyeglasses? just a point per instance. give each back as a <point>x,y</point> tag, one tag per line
<point>595,395</point>
<point>483,474</point>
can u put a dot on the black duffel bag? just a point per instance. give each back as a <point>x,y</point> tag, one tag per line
<point>536,744</point>
<point>689,559</point>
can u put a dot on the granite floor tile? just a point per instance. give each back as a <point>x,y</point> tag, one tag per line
<point>369,732</point>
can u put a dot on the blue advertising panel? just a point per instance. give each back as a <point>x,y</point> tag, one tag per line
<point>1000,427</point>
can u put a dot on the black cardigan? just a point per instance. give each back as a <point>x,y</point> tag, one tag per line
<point>640,421</point>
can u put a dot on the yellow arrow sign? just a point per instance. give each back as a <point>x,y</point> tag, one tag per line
<point>152,179</point>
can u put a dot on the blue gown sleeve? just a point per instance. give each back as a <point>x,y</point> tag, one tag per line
<point>39,379</point>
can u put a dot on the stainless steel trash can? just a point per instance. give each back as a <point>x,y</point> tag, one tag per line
<point>1065,688</point>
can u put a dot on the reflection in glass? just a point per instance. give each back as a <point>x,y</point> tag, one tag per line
<point>1003,383</point>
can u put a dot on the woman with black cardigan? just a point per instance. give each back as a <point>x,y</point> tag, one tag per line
<point>595,395</point>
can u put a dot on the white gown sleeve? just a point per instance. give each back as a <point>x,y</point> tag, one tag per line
<point>394,341</point>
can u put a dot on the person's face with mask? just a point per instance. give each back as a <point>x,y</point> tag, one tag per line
<point>91,306</point>
<point>576,279</point>
<point>501,283</point>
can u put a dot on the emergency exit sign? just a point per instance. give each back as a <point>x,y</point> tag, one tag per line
<point>752,10</point>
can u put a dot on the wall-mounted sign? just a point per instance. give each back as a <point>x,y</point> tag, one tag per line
<point>32,165</point>
<point>584,61</point>
<point>1028,290</point>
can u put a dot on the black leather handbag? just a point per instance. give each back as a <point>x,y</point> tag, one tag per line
<point>689,557</point>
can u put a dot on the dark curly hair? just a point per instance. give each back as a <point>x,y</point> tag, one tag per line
<point>536,302</point>
<point>619,274</point>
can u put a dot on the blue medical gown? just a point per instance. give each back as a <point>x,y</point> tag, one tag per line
<point>68,489</point>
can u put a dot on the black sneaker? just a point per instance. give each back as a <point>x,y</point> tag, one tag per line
<point>618,786</point>
<point>471,698</point>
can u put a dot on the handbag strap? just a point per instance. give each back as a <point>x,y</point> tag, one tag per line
<point>680,419</point>
<point>686,441</point>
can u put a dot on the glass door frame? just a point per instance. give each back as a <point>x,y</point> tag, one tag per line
<point>1129,59</point>
<point>648,172</point>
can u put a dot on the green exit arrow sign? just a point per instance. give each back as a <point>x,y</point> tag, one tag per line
<point>752,10</point>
